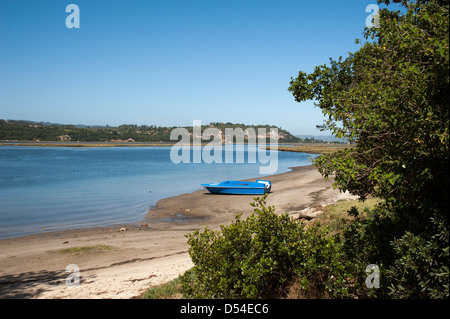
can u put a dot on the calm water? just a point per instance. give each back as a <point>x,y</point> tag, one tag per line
<point>59,188</point>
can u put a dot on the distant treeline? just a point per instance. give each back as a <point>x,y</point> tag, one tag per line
<point>12,130</point>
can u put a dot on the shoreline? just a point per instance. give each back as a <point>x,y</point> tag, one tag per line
<point>84,144</point>
<point>113,144</point>
<point>145,254</point>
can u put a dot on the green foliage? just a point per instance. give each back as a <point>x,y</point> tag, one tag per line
<point>263,256</point>
<point>169,290</point>
<point>31,131</point>
<point>420,269</point>
<point>391,99</point>
<point>413,265</point>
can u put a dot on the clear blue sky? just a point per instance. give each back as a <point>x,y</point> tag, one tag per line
<point>169,62</point>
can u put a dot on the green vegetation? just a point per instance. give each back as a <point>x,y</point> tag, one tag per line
<point>296,284</point>
<point>168,290</point>
<point>34,131</point>
<point>314,148</point>
<point>391,99</point>
<point>267,256</point>
<point>336,216</point>
<point>340,209</point>
<point>84,249</point>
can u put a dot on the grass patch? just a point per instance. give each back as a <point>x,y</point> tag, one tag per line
<point>315,148</point>
<point>336,216</point>
<point>342,206</point>
<point>168,290</point>
<point>84,249</point>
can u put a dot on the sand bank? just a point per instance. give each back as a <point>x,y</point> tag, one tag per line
<point>123,264</point>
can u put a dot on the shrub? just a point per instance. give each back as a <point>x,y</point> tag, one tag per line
<point>420,269</point>
<point>263,256</point>
<point>412,264</point>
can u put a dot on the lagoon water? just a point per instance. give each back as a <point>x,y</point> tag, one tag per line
<point>55,188</point>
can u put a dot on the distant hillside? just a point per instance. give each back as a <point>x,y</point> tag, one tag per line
<point>318,139</point>
<point>12,130</point>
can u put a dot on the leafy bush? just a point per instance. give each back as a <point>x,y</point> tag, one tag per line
<point>412,264</point>
<point>274,256</point>
<point>420,269</point>
<point>263,256</point>
<point>390,98</point>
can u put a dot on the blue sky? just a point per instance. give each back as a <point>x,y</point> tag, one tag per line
<point>169,62</point>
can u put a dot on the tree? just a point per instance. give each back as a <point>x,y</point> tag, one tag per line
<point>391,99</point>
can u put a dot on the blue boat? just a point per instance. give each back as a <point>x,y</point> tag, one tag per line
<point>260,187</point>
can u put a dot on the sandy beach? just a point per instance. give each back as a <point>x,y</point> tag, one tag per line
<point>124,263</point>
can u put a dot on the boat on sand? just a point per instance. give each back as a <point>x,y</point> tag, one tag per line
<point>260,187</point>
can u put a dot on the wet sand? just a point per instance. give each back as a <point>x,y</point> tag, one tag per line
<point>127,262</point>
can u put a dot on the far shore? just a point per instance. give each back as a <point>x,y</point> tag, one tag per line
<point>314,148</point>
<point>310,148</point>
<point>123,261</point>
<point>83,144</point>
